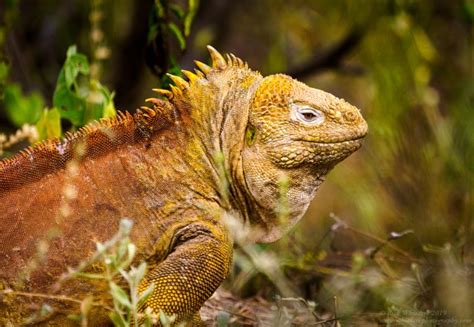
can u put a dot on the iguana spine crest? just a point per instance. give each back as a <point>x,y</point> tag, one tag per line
<point>146,121</point>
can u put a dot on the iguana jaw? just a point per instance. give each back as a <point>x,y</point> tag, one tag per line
<point>293,154</point>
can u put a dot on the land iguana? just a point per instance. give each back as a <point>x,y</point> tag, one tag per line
<point>163,168</point>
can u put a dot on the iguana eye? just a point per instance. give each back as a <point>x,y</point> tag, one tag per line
<point>306,114</point>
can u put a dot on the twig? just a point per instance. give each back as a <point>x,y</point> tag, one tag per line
<point>51,297</point>
<point>373,237</point>
<point>331,57</point>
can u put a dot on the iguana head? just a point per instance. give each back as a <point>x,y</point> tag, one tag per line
<point>295,135</point>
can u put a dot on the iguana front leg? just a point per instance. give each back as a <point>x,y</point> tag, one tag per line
<point>198,262</point>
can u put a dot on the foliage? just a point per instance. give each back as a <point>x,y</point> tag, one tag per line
<point>169,22</point>
<point>22,109</point>
<point>79,98</point>
<point>49,124</point>
<point>390,235</point>
<point>160,16</point>
<point>116,255</point>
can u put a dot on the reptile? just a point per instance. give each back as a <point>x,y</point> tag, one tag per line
<point>213,145</point>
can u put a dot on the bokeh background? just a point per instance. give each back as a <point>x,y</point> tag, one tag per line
<point>390,235</point>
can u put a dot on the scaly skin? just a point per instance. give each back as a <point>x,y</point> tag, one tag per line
<point>159,169</point>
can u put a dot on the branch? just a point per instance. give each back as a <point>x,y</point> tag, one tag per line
<point>331,57</point>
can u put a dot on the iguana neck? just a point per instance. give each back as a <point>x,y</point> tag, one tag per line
<point>218,108</point>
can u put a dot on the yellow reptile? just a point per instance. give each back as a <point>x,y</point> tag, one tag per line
<point>164,168</point>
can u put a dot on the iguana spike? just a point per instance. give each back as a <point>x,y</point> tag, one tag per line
<point>232,59</point>
<point>164,93</point>
<point>128,115</point>
<point>202,66</point>
<point>155,101</point>
<point>199,73</point>
<point>148,111</point>
<point>176,90</point>
<point>237,61</point>
<point>121,115</point>
<point>141,113</point>
<point>228,59</point>
<point>190,75</point>
<point>87,128</point>
<point>218,60</point>
<point>180,82</point>
<point>68,135</point>
<point>26,152</point>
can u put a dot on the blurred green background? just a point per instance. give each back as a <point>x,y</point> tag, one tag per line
<point>389,236</point>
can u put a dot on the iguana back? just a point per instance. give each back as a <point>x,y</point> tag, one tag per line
<point>218,144</point>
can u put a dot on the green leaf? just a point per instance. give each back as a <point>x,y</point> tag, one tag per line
<point>117,319</point>
<point>193,6</point>
<point>109,106</point>
<point>152,32</point>
<point>49,125</point>
<point>70,96</point>
<point>166,320</point>
<point>122,249</point>
<point>159,9</point>
<point>131,250</point>
<point>89,275</point>
<point>4,68</point>
<point>100,247</point>
<point>22,109</point>
<point>468,10</point>
<point>74,65</point>
<point>147,322</point>
<point>119,295</point>
<point>177,10</point>
<point>145,295</point>
<point>71,106</point>
<point>99,102</point>
<point>178,34</point>
<point>125,227</point>
<point>45,310</point>
<point>139,272</point>
<point>436,249</point>
<point>71,50</point>
<point>222,319</point>
<point>86,306</point>
<point>174,69</point>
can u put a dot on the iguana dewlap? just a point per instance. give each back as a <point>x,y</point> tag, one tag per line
<point>217,144</point>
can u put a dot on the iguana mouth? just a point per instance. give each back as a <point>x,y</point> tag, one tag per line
<point>349,142</point>
<point>355,139</point>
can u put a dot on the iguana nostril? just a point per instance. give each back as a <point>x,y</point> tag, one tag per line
<point>350,116</point>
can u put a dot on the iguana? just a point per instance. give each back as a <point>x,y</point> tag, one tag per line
<point>164,168</point>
